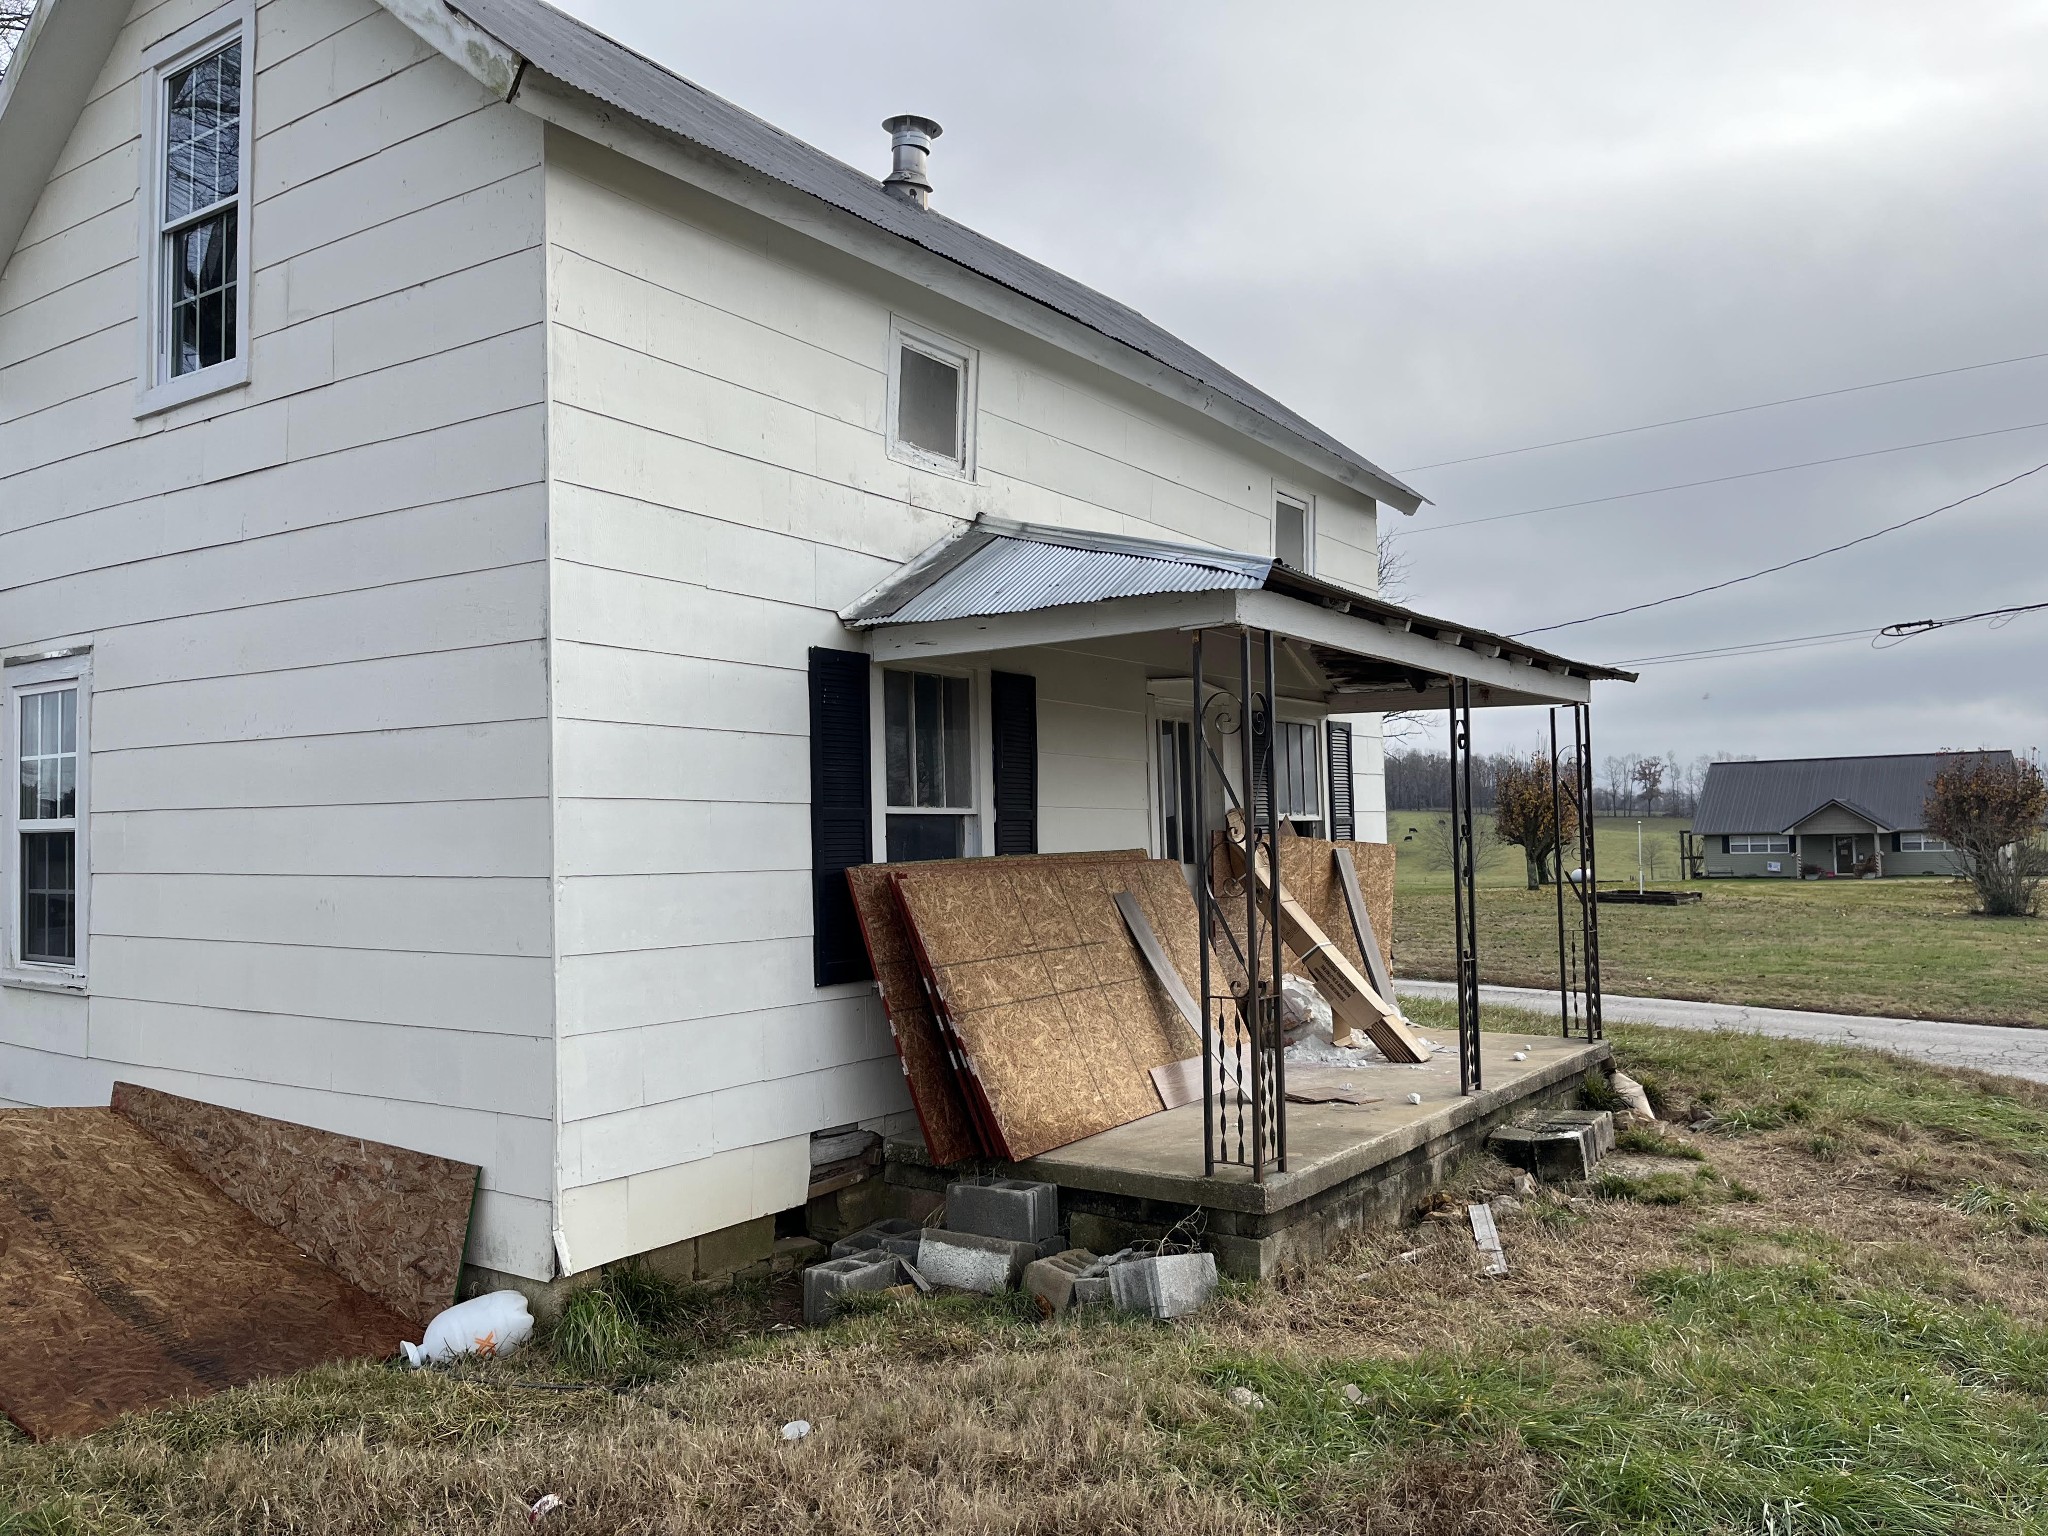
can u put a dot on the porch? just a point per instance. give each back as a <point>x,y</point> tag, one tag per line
<point>1234,652</point>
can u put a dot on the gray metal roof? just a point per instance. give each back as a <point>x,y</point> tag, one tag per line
<point>993,566</point>
<point>1776,796</point>
<point>585,58</point>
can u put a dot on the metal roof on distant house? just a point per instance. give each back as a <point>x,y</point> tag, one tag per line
<point>581,56</point>
<point>1888,792</point>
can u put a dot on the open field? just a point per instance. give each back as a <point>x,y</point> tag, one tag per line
<point>1425,861</point>
<point>1904,947</point>
<point>1822,1311</point>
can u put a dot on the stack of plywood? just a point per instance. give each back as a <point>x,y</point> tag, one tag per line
<point>1024,1012</point>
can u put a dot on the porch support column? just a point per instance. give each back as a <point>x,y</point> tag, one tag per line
<point>1464,886</point>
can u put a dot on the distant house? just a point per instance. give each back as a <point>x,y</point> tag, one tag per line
<point>1822,816</point>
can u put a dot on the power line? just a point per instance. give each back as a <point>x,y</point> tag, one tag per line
<point>1747,474</point>
<point>1733,410</point>
<point>1786,565</point>
<point>1751,648</point>
<point>2000,617</point>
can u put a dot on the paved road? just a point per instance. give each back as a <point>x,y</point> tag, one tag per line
<point>1987,1047</point>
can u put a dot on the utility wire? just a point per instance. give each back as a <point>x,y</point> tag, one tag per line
<point>1750,648</point>
<point>2000,617</point>
<point>1733,410</point>
<point>1747,474</point>
<point>1786,565</point>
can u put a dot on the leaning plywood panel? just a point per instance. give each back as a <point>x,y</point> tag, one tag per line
<point>132,1282</point>
<point>391,1220</point>
<point>944,1111</point>
<point>1057,1016</point>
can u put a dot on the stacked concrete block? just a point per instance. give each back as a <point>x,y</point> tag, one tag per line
<point>1556,1149</point>
<point>1601,1121</point>
<point>892,1233</point>
<point>1163,1285</point>
<point>1019,1210</point>
<point>825,1284</point>
<point>967,1261</point>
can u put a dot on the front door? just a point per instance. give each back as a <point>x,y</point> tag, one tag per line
<point>1845,855</point>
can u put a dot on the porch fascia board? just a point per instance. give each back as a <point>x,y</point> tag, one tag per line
<point>1184,612</point>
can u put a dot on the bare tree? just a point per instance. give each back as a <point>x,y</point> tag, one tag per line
<point>1649,776</point>
<point>14,16</point>
<point>1990,810</point>
<point>1391,583</point>
<point>1527,814</point>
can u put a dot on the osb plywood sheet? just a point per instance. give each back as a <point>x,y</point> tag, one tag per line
<point>1055,1010</point>
<point>391,1220</point>
<point>944,1111</point>
<point>1308,872</point>
<point>127,1281</point>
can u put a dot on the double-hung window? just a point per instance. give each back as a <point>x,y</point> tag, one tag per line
<point>1921,842</point>
<point>46,743</point>
<point>928,765</point>
<point>1759,842</point>
<point>196,191</point>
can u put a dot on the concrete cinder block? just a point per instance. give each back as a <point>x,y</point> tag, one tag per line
<point>735,1249</point>
<point>1053,1279</point>
<point>1560,1153</point>
<point>1018,1209</point>
<point>895,1233</point>
<point>826,1283</point>
<point>1057,1243</point>
<point>1091,1291</point>
<point>1602,1122</point>
<point>1165,1285</point>
<point>967,1261</point>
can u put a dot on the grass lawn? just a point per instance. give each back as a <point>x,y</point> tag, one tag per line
<point>1901,947</point>
<point>1823,1310</point>
<point>1425,863</point>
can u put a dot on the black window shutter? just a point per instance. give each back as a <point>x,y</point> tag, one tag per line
<point>1013,711</point>
<point>1343,824</point>
<point>841,813</point>
<point>1724,842</point>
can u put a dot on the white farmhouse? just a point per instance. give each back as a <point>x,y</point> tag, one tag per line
<point>452,473</point>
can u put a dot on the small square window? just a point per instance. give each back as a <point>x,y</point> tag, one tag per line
<point>928,404</point>
<point>1291,532</point>
<point>931,402</point>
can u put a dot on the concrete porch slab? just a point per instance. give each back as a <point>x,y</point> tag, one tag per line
<point>1348,1165</point>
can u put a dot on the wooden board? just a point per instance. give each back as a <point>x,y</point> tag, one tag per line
<point>130,1282</point>
<point>944,1112</point>
<point>1309,874</point>
<point>1309,1083</point>
<point>393,1221</point>
<point>1058,1017</point>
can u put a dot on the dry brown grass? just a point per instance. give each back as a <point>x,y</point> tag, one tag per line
<point>962,1416</point>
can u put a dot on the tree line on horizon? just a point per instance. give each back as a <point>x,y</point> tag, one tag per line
<point>1627,784</point>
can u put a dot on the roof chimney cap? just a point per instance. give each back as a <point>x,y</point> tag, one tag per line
<point>910,139</point>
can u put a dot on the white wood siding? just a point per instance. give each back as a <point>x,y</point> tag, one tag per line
<point>321,838</point>
<point>719,488</point>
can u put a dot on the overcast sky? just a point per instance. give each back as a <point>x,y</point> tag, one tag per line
<point>1445,230</point>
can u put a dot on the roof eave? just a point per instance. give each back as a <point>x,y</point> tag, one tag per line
<point>44,90</point>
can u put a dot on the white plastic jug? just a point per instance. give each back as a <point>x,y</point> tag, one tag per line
<point>489,1325</point>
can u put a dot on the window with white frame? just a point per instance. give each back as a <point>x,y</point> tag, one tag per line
<point>1759,842</point>
<point>197,194</point>
<point>1293,531</point>
<point>46,735</point>
<point>1922,842</point>
<point>931,401</point>
<point>928,766</point>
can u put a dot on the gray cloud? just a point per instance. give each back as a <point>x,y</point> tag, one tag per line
<point>1443,230</point>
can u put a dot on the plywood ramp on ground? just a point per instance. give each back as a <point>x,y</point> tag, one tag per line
<point>393,1221</point>
<point>127,1281</point>
<point>944,1112</point>
<point>1057,1015</point>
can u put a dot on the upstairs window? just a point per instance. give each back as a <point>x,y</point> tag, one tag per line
<point>931,402</point>
<point>198,193</point>
<point>1292,537</point>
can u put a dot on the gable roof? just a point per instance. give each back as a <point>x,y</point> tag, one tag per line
<point>497,41</point>
<point>581,56</point>
<point>1777,796</point>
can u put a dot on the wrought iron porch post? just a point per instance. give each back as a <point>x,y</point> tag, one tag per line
<point>1204,914</point>
<point>1596,1028</point>
<point>1255,1024</point>
<point>1464,886</point>
<point>1278,1044</point>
